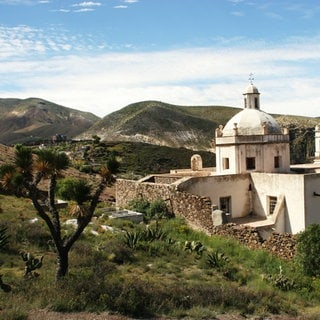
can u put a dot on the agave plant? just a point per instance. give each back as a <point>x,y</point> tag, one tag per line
<point>132,238</point>
<point>3,237</point>
<point>216,259</point>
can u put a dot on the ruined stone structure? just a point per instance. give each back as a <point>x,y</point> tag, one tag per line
<point>253,183</point>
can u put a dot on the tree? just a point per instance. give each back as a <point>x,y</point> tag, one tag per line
<point>96,139</point>
<point>3,244</point>
<point>23,177</point>
<point>309,250</point>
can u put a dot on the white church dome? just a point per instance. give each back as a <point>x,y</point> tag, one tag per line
<point>251,122</point>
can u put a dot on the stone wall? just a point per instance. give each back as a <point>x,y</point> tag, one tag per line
<point>165,179</point>
<point>283,245</point>
<point>195,209</point>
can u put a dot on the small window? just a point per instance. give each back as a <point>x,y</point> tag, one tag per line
<point>225,163</point>
<point>272,204</point>
<point>277,162</point>
<point>225,204</point>
<point>251,163</point>
<point>245,102</point>
<point>256,103</point>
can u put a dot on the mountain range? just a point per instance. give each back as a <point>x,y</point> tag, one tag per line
<point>153,122</point>
<point>34,119</point>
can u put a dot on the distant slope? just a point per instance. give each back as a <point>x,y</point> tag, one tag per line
<point>161,123</point>
<point>36,119</point>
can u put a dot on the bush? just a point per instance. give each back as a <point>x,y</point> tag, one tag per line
<point>156,209</point>
<point>308,249</point>
<point>139,204</point>
<point>73,189</point>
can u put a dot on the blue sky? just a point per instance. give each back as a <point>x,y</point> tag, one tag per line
<point>102,55</point>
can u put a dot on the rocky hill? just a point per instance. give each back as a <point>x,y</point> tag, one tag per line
<point>36,119</point>
<point>164,124</point>
<point>152,122</point>
<point>175,126</point>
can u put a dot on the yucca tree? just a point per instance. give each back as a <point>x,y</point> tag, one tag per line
<point>27,171</point>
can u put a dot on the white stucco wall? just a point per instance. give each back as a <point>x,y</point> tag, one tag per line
<point>289,185</point>
<point>215,187</point>
<point>264,155</point>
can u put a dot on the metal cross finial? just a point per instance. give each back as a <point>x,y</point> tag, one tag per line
<point>251,78</point>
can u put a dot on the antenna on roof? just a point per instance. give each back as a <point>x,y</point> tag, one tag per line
<point>251,78</point>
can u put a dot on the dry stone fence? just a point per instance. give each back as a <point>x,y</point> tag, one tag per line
<point>197,211</point>
<point>283,245</point>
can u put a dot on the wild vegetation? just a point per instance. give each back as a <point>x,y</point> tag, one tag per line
<point>22,178</point>
<point>162,268</point>
<point>159,268</point>
<point>135,160</point>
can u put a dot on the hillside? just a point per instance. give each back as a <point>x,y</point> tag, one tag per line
<point>35,119</point>
<point>160,123</point>
<point>164,124</point>
<point>152,122</point>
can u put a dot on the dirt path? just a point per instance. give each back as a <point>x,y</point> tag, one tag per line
<point>49,315</point>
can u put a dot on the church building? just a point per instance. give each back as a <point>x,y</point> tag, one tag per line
<point>253,182</point>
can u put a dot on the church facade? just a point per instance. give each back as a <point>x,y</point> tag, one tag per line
<point>253,182</point>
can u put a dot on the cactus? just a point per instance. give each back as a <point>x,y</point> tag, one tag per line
<point>194,246</point>
<point>3,237</point>
<point>131,239</point>
<point>217,259</point>
<point>154,233</point>
<point>31,264</point>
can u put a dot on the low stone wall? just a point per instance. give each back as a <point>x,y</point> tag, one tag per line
<point>126,190</point>
<point>165,179</point>
<point>283,245</point>
<point>195,209</point>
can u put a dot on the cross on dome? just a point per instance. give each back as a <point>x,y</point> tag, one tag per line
<point>251,78</point>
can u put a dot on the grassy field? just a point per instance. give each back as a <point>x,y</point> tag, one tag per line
<point>163,269</point>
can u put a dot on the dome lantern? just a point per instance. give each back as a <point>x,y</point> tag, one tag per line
<point>251,98</point>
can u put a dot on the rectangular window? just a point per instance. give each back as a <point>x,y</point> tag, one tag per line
<point>251,163</point>
<point>225,204</point>
<point>225,163</point>
<point>277,162</point>
<point>256,103</point>
<point>272,204</point>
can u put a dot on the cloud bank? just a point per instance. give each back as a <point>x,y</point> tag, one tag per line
<point>106,82</point>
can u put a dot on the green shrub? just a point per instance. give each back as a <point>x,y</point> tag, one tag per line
<point>74,189</point>
<point>281,281</point>
<point>139,204</point>
<point>308,248</point>
<point>156,209</point>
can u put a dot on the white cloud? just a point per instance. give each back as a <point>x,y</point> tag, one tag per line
<point>237,13</point>
<point>17,2</point>
<point>120,7</point>
<point>84,10</point>
<point>87,4</point>
<point>285,75</point>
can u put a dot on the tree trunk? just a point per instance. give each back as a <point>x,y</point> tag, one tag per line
<point>62,263</point>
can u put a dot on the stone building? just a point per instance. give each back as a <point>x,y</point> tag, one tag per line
<point>253,182</point>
